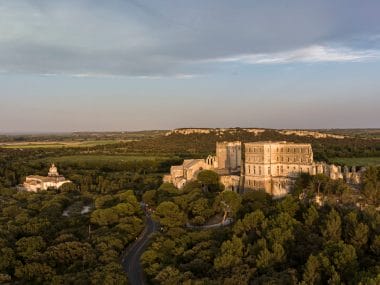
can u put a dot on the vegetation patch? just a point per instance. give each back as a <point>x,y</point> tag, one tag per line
<point>98,158</point>
<point>356,161</point>
<point>59,144</point>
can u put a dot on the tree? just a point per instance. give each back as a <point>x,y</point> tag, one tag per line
<point>169,215</point>
<point>229,202</point>
<point>320,181</point>
<point>311,216</point>
<point>355,233</point>
<point>149,198</point>
<point>254,200</point>
<point>169,275</point>
<point>104,201</point>
<point>210,180</point>
<point>71,253</point>
<point>7,258</point>
<point>371,185</point>
<point>104,217</point>
<point>34,272</point>
<point>302,181</point>
<point>311,274</point>
<point>165,192</point>
<point>289,205</point>
<point>252,224</point>
<point>231,254</point>
<point>200,210</point>
<point>331,230</point>
<point>342,258</point>
<point>28,246</point>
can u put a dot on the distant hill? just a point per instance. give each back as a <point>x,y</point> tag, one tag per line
<point>199,142</point>
<point>255,131</point>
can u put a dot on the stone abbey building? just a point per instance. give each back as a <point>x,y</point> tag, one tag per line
<point>272,166</point>
<point>35,183</point>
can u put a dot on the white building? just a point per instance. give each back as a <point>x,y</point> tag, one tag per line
<point>35,183</point>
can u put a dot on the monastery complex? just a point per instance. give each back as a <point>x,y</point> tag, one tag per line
<point>35,183</point>
<point>272,166</point>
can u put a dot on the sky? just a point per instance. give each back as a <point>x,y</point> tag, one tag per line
<point>124,65</point>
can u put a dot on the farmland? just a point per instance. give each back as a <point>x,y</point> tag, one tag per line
<point>58,144</point>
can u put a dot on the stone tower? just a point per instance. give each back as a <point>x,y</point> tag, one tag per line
<point>228,156</point>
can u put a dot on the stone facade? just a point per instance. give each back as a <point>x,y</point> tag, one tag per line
<point>34,183</point>
<point>228,156</point>
<point>272,166</point>
<point>226,163</point>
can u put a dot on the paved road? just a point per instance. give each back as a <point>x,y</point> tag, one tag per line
<point>227,222</point>
<point>131,260</point>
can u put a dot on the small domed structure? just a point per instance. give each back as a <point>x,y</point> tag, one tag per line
<point>53,171</point>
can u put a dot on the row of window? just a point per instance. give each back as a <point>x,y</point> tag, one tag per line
<point>254,183</point>
<point>282,149</point>
<point>280,170</point>
<point>280,159</point>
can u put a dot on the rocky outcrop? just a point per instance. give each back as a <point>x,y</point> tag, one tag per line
<point>314,134</point>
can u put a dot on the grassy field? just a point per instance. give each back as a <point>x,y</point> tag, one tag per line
<point>59,144</point>
<point>100,158</point>
<point>357,161</point>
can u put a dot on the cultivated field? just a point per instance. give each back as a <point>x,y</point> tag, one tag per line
<point>96,158</point>
<point>58,144</point>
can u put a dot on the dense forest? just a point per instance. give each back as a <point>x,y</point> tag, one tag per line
<point>199,145</point>
<point>40,245</point>
<point>77,234</point>
<point>284,241</point>
<point>74,235</point>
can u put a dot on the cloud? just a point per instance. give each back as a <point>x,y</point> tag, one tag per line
<point>316,53</point>
<point>141,38</point>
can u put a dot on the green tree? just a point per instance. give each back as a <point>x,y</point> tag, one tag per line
<point>27,247</point>
<point>104,217</point>
<point>36,272</point>
<point>149,198</point>
<point>231,254</point>
<point>169,275</point>
<point>311,216</point>
<point>210,180</point>
<point>311,274</point>
<point>7,259</point>
<point>355,233</point>
<point>371,187</point>
<point>169,215</point>
<point>229,202</point>
<point>331,229</point>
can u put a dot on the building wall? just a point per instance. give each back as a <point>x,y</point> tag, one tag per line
<point>230,182</point>
<point>272,166</point>
<point>33,185</point>
<point>228,155</point>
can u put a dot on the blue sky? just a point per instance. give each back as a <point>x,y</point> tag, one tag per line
<point>137,64</point>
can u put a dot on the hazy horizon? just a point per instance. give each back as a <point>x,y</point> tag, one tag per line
<point>118,65</point>
<point>152,130</point>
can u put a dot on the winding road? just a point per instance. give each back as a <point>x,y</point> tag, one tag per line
<point>131,259</point>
